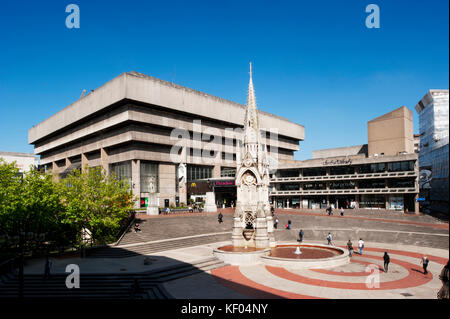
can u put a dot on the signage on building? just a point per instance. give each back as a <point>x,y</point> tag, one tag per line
<point>225,183</point>
<point>337,162</point>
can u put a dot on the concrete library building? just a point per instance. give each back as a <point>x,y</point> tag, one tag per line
<point>131,126</point>
<point>174,144</point>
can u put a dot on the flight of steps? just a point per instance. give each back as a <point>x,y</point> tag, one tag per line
<point>153,247</point>
<point>438,239</point>
<point>105,286</point>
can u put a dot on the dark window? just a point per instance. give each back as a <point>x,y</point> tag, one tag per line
<point>401,166</point>
<point>342,185</point>
<point>287,173</point>
<point>342,170</point>
<point>289,187</point>
<point>314,186</point>
<point>319,171</point>
<point>400,183</point>
<point>373,183</point>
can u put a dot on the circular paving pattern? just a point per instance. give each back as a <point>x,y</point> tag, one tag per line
<point>364,277</point>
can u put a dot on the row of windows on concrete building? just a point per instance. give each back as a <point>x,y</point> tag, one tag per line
<point>149,176</point>
<point>402,166</point>
<point>372,183</point>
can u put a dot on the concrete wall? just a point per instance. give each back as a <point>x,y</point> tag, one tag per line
<point>391,133</point>
<point>340,151</point>
<point>139,87</point>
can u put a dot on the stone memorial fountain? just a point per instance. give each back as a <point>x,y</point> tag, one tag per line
<point>252,239</point>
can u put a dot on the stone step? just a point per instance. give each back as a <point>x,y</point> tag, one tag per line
<point>107,286</point>
<point>145,249</point>
<point>434,240</point>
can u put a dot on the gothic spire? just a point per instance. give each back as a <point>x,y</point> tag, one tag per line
<point>251,114</point>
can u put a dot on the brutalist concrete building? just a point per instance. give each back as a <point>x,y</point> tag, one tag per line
<point>127,127</point>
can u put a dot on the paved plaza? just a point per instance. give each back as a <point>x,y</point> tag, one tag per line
<point>180,247</point>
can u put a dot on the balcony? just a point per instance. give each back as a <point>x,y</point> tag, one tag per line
<point>344,177</point>
<point>403,190</point>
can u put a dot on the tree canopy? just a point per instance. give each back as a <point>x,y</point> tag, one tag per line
<point>85,202</point>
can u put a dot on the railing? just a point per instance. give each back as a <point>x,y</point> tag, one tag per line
<point>344,177</point>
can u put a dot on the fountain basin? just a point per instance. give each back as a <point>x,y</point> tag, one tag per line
<point>283,255</point>
<point>239,255</point>
<point>312,256</point>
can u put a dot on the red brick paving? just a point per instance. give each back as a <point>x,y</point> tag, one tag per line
<point>347,273</point>
<point>415,277</point>
<point>232,278</point>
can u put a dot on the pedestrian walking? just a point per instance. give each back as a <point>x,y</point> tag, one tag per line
<point>444,276</point>
<point>360,246</point>
<point>350,248</point>
<point>220,218</point>
<point>342,211</point>
<point>387,260</point>
<point>300,235</point>
<point>275,224</point>
<point>48,267</point>
<point>425,262</point>
<point>329,238</point>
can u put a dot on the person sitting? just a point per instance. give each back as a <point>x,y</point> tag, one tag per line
<point>288,225</point>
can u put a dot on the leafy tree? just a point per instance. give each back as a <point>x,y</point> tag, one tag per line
<point>29,205</point>
<point>95,204</point>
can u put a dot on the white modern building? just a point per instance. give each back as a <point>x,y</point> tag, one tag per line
<point>433,110</point>
<point>24,161</point>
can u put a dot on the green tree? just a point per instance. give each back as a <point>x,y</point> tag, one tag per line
<point>95,204</point>
<point>10,194</point>
<point>29,205</point>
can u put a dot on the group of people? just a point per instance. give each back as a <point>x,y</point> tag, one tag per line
<point>350,247</point>
<point>329,211</point>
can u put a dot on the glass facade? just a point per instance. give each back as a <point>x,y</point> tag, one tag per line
<point>287,173</point>
<point>371,183</point>
<point>227,172</point>
<point>198,172</point>
<point>149,177</point>
<point>316,171</point>
<point>372,201</point>
<point>371,168</point>
<point>342,185</point>
<point>122,171</point>
<point>342,170</point>
<point>288,187</point>
<point>401,166</point>
<point>314,186</point>
<point>401,183</point>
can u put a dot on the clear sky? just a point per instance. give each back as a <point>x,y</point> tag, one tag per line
<point>314,62</point>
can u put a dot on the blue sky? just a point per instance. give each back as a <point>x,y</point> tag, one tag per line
<point>315,62</point>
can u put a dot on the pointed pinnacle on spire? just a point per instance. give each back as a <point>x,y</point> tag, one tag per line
<point>251,99</point>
